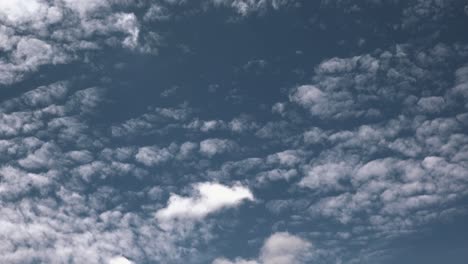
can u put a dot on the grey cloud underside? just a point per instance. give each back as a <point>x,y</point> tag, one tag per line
<point>358,151</point>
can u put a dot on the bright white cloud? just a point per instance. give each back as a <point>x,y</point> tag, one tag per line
<point>62,178</point>
<point>279,248</point>
<point>120,260</point>
<point>207,198</point>
<point>236,261</point>
<point>307,95</point>
<point>23,11</point>
<point>284,248</point>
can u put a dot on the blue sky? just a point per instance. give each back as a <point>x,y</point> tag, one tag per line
<point>233,131</point>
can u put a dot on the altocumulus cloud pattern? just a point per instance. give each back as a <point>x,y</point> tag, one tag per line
<point>233,131</point>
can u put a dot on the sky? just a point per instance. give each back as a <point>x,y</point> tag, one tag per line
<point>234,131</point>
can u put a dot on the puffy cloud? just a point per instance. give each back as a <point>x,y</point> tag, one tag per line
<point>86,6</point>
<point>308,95</point>
<point>207,198</point>
<point>16,182</point>
<point>393,188</point>
<point>45,95</point>
<point>279,248</point>
<point>29,54</point>
<point>213,146</point>
<point>42,158</point>
<point>156,121</point>
<point>186,149</point>
<point>120,260</point>
<point>461,84</point>
<point>151,156</point>
<point>286,158</point>
<point>25,12</point>
<point>284,248</point>
<point>238,125</point>
<point>369,86</point>
<point>245,7</point>
<point>50,214</point>
<point>387,156</point>
<point>207,126</point>
<point>428,12</point>
<point>34,33</point>
<point>432,104</point>
<point>325,177</point>
<point>156,12</point>
<point>277,174</point>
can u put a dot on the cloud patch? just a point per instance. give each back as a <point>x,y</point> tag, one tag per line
<point>206,198</point>
<point>279,248</point>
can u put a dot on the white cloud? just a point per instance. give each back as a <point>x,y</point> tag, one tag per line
<point>461,84</point>
<point>431,104</point>
<point>151,156</point>
<point>35,33</point>
<point>236,261</point>
<point>276,174</point>
<point>156,12</point>
<point>16,182</point>
<point>45,95</point>
<point>338,65</point>
<point>284,248</point>
<point>42,158</point>
<point>245,7</point>
<point>279,248</point>
<point>84,7</point>
<point>308,95</point>
<point>286,158</point>
<point>207,198</point>
<point>186,150</point>
<point>23,11</point>
<point>214,146</point>
<point>387,177</point>
<point>365,86</point>
<point>325,177</point>
<point>120,260</point>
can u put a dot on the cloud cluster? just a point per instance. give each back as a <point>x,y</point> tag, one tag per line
<point>57,185</point>
<point>371,86</point>
<point>372,147</point>
<point>40,32</point>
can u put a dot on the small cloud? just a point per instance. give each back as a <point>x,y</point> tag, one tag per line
<point>120,260</point>
<point>214,146</point>
<point>279,248</point>
<point>207,198</point>
<point>255,66</point>
<point>236,261</point>
<point>170,91</point>
<point>151,156</point>
<point>279,108</point>
<point>247,7</point>
<point>284,248</point>
<point>432,104</point>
